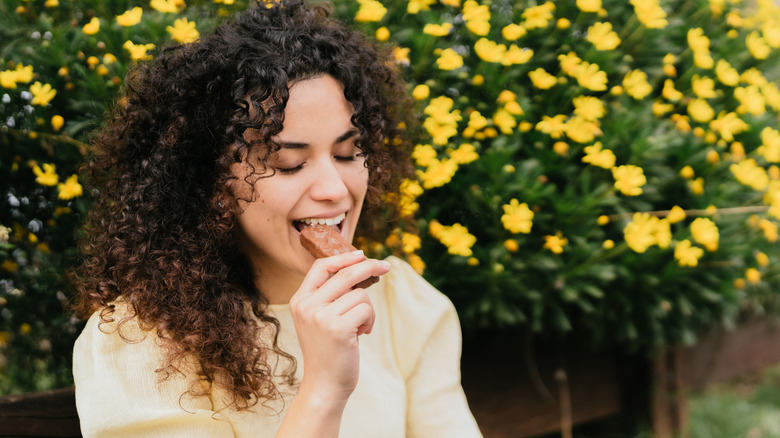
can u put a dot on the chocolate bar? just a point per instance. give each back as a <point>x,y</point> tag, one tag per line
<point>325,241</point>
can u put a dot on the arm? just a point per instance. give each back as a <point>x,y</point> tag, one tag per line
<point>329,317</point>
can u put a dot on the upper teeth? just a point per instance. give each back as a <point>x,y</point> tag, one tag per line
<point>324,221</point>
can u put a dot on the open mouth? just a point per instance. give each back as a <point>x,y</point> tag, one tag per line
<point>336,222</point>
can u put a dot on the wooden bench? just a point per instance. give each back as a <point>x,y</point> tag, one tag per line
<point>41,414</point>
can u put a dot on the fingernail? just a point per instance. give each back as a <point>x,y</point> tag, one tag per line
<point>385,263</point>
<point>358,252</point>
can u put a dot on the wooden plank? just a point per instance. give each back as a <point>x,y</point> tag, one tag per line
<point>514,394</point>
<point>725,354</point>
<point>41,414</point>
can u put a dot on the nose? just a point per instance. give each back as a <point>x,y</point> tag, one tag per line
<point>328,184</point>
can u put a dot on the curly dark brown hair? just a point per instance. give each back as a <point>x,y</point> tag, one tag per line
<point>162,230</point>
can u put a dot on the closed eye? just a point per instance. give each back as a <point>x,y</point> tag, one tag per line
<point>352,157</point>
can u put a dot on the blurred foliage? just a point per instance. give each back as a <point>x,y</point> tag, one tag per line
<point>549,126</point>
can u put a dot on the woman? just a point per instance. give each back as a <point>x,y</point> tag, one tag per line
<point>207,317</point>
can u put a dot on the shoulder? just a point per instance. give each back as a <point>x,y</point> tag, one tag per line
<point>418,314</point>
<point>404,287</point>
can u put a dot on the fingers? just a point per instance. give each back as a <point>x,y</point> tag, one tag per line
<point>332,277</point>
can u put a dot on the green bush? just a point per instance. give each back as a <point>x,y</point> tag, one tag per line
<point>600,168</point>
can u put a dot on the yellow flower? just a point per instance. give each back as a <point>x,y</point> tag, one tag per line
<point>608,244</point>
<point>581,130</point>
<point>728,124</point>
<point>659,108</point>
<point>538,16</point>
<point>9,266</point>
<point>771,33</point>
<point>737,151</point>
<point>757,46</point>
<point>686,254</point>
<point>416,263</point>
<point>514,108</point>
<point>541,79</point>
<point>602,36</point>
<point>437,29</point>
<point>92,27</point>
<point>769,229</point>
<point>57,122</point>
<point>589,76</point>
<point>676,214</point>
<point>489,51</point>
<point>555,243</point>
<point>563,23</point>
<point>636,85</point>
<point>589,5</point>
<point>477,17</point>
<point>650,13</point>
<point>138,51</point>
<point>382,34</point>
<point>762,259</point>
<point>561,148</point>
<point>770,144</point>
<point>70,188</point>
<point>598,157</point>
<point>750,174</point>
<point>456,238</point>
<point>42,93</point>
<point>726,74</point>
<point>772,95</point>
<point>570,62</point>
<point>464,154</point>
<point>517,218</point>
<point>753,76</point>
<point>687,172</point>
<point>705,232</point>
<point>553,126</point>
<point>669,92</point>
<point>697,41</point>
<point>410,242</point>
<point>449,60</point>
<point>166,6</point>
<point>421,92</point>
<point>703,86</point>
<point>47,176</point>
<point>697,186</point>
<point>438,173</point>
<point>505,121</point>
<point>108,58</point>
<point>703,60</point>
<point>370,10</point>
<point>51,3</point>
<point>130,17</point>
<point>441,124</point>
<point>183,31</point>
<point>415,6</point>
<point>8,79</point>
<point>24,74</point>
<point>401,55</point>
<point>640,232</point>
<point>511,245</point>
<point>25,328</point>
<point>512,32</point>
<point>589,108</point>
<point>753,276</point>
<point>700,110</point>
<point>629,179</point>
<point>602,220</point>
<point>750,100</point>
<point>517,55</point>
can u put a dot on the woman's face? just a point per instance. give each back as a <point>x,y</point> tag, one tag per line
<point>318,175</point>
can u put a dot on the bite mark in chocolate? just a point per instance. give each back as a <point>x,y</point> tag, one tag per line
<point>325,241</point>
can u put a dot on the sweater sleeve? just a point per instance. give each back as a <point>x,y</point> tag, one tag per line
<point>427,341</point>
<point>120,394</point>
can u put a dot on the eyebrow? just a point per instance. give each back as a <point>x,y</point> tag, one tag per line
<point>302,145</point>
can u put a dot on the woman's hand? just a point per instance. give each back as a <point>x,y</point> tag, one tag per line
<point>329,315</point>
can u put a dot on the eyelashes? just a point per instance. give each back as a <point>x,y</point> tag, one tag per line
<point>340,158</point>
